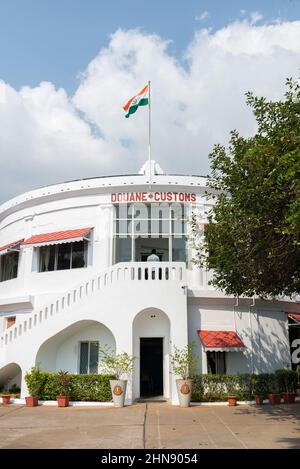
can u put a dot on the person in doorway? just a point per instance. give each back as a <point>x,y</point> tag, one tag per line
<point>153,256</point>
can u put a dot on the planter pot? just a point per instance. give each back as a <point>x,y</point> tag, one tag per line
<point>63,401</point>
<point>288,397</point>
<point>274,399</point>
<point>6,399</point>
<point>184,389</point>
<point>232,400</point>
<point>259,400</point>
<point>118,390</point>
<point>32,401</point>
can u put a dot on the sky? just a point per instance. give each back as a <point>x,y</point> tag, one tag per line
<point>68,66</point>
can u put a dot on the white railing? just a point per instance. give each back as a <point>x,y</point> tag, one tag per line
<point>122,272</point>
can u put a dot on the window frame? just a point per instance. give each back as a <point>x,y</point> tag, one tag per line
<point>131,217</point>
<point>89,342</point>
<point>224,362</point>
<point>5,256</point>
<point>85,242</point>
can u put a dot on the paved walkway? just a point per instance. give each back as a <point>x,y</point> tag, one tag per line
<point>152,425</point>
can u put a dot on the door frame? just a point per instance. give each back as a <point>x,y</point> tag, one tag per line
<point>162,364</point>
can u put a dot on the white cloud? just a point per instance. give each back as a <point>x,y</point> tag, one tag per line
<point>47,136</point>
<point>255,17</point>
<point>204,16</point>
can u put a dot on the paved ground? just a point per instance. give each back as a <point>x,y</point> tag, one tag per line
<point>152,425</point>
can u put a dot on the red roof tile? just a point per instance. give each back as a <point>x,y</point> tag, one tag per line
<point>295,316</point>
<point>58,235</point>
<point>220,339</point>
<point>10,245</point>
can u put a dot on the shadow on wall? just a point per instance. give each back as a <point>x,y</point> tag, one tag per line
<point>269,339</point>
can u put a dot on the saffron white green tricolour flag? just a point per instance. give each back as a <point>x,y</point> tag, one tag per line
<point>140,99</point>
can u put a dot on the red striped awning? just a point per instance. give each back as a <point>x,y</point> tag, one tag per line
<point>11,246</point>
<point>58,237</point>
<point>221,341</point>
<point>295,316</point>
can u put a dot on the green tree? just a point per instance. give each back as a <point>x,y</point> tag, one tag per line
<point>252,240</point>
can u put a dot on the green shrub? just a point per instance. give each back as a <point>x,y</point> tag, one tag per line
<point>287,380</point>
<point>82,387</point>
<point>262,384</point>
<point>35,380</point>
<point>14,389</point>
<point>209,388</point>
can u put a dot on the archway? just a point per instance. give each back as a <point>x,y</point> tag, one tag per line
<point>9,375</point>
<point>151,344</point>
<point>75,348</point>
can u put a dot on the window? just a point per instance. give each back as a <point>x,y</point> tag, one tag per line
<point>216,363</point>
<point>139,228</point>
<point>9,266</point>
<point>10,321</point>
<point>63,256</point>
<point>89,357</point>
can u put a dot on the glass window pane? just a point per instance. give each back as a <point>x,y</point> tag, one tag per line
<point>47,258</point>
<point>94,353</point>
<point>84,358</point>
<point>9,266</point>
<point>179,249</point>
<point>123,249</point>
<point>216,362</point>
<point>79,254</point>
<point>63,256</point>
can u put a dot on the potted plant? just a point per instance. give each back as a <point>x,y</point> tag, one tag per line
<point>5,399</point>
<point>119,365</point>
<point>287,383</point>
<point>274,395</point>
<point>63,386</point>
<point>260,387</point>
<point>184,363</point>
<point>232,400</point>
<point>34,381</point>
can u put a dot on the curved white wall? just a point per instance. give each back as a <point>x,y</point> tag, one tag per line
<point>61,352</point>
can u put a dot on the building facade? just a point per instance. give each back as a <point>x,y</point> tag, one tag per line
<point>75,277</point>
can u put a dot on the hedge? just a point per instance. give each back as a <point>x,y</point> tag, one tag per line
<point>94,387</point>
<point>209,388</point>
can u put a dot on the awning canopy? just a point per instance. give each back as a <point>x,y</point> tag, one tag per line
<point>221,341</point>
<point>295,317</point>
<point>15,246</point>
<point>58,237</point>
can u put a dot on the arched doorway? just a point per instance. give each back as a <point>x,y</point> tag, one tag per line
<point>9,375</point>
<point>151,346</point>
<point>75,348</point>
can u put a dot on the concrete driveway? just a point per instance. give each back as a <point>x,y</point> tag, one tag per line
<point>150,425</point>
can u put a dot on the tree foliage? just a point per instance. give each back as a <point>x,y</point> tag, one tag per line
<point>252,240</point>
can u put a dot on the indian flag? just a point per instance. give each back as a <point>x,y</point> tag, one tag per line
<point>140,99</point>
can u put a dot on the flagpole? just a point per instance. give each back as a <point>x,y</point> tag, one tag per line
<point>149,142</point>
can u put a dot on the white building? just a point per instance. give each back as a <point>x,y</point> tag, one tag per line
<point>75,276</point>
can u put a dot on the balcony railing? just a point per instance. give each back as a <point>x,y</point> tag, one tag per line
<point>121,272</point>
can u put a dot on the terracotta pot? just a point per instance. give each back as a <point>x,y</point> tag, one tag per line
<point>32,401</point>
<point>259,400</point>
<point>232,400</point>
<point>274,399</point>
<point>6,399</point>
<point>63,401</point>
<point>288,397</point>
